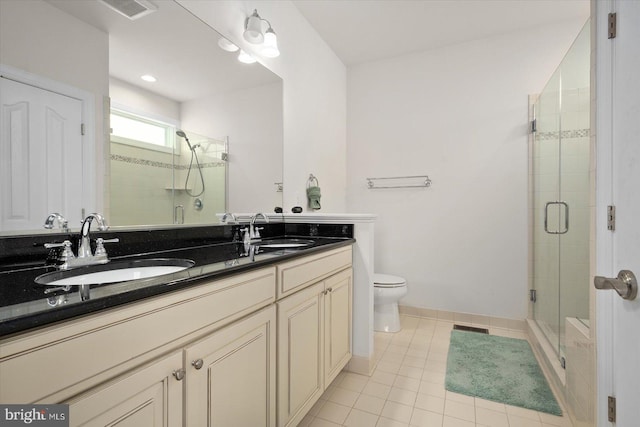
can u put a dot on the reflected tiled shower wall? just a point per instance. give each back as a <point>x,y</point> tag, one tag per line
<point>143,189</point>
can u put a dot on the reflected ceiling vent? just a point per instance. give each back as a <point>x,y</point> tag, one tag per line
<point>132,9</point>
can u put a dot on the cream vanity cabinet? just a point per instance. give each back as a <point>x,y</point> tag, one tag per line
<point>314,329</point>
<point>137,365</point>
<point>207,355</point>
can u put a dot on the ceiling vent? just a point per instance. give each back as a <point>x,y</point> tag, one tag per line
<point>132,9</point>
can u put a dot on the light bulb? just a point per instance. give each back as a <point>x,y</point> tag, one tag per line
<point>244,57</point>
<point>270,46</point>
<point>253,28</point>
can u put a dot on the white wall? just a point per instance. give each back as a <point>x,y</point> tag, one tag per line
<point>458,114</point>
<point>252,119</point>
<point>314,95</point>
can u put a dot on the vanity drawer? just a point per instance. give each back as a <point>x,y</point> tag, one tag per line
<point>54,363</point>
<point>297,274</point>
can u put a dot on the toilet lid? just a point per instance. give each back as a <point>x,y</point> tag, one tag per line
<point>388,280</point>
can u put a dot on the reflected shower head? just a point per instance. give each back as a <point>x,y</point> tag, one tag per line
<point>181,134</point>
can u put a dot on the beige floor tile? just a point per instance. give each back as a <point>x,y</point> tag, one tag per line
<point>461,398</point>
<point>383,377</point>
<point>553,420</point>
<point>436,365</point>
<point>306,421</point>
<point>343,396</point>
<point>432,389</point>
<point>434,377</point>
<point>459,410</point>
<point>358,418</point>
<point>422,418</point>
<point>392,357</point>
<point>412,384</point>
<point>430,403</point>
<point>388,422</point>
<point>316,407</point>
<point>333,412</point>
<point>523,422</point>
<point>456,422</point>
<point>400,395</point>
<point>397,411</point>
<point>489,404</point>
<point>397,349</point>
<point>410,371</point>
<point>491,418</point>
<point>391,367</point>
<point>522,412</point>
<point>319,422</point>
<point>370,404</point>
<point>354,382</point>
<point>415,362</point>
<point>376,389</point>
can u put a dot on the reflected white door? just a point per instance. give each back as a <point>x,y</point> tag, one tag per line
<point>619,182</point>
<point>40,156</point>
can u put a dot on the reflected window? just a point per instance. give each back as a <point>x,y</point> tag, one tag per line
<point>132,129</point>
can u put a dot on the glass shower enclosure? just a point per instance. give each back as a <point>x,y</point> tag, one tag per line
<point>561,196</point>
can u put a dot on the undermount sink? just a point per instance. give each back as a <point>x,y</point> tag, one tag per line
<point>113,272</point>
<point>285,243</point>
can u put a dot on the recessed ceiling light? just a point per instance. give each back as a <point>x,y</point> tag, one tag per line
<point>148,78</point>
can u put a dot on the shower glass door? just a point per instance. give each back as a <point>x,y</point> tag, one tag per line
<point>561,196</point>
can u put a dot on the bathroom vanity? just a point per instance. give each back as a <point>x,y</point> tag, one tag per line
<point>246,340</point>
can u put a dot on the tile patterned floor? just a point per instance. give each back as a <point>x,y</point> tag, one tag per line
<point>407,388</point>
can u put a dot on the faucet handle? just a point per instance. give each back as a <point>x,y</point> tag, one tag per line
<point>100,250</point>
<point>256,234</point>
<point>65,255</point>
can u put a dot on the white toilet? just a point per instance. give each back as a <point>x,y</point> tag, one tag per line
<point>387,290</point>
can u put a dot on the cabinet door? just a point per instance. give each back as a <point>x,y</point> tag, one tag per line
<point>230,377</point>
<point>300,336</point>
<point>337,324</point>
<point>150,396</point>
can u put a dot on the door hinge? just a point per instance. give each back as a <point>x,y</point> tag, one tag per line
<point>532,295</point>
<point>612,26</point>
<point>611,409</point>
<point>533,126</point>
<point>81,128</point>
<point>611,218</point>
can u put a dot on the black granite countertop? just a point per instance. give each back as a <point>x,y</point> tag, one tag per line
<point>25,304</point>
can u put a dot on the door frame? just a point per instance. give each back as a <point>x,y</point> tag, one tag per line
<point>92,168</point>
<point>604,301</point>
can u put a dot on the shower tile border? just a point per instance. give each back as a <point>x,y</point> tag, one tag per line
<point>163,165</point>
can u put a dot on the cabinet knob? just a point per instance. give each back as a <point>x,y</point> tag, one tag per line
<point>179,374</point>
<point>330,290</point>
<point>197,363</point>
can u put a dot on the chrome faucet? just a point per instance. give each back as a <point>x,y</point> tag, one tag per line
<point>254,232</point>
<point>66,259</point>
<point>84,248</point>
<point>226,215</point>
<point>63,224</point>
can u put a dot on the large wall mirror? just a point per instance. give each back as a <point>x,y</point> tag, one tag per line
<point>204,138</point>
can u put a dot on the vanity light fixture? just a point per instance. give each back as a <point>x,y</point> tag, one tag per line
<point>253,34</point>
<point>149,78</point>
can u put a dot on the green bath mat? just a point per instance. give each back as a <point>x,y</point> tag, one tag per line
<point>499,369</point>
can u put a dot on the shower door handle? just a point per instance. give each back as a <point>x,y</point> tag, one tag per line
<point>566,217</point>
<point>625,284</point>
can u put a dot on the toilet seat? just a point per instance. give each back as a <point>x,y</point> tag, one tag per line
<point>388,281</point>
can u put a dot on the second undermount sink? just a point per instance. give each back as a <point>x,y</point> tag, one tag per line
<point>285,243</point>
<point>113,272</point>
